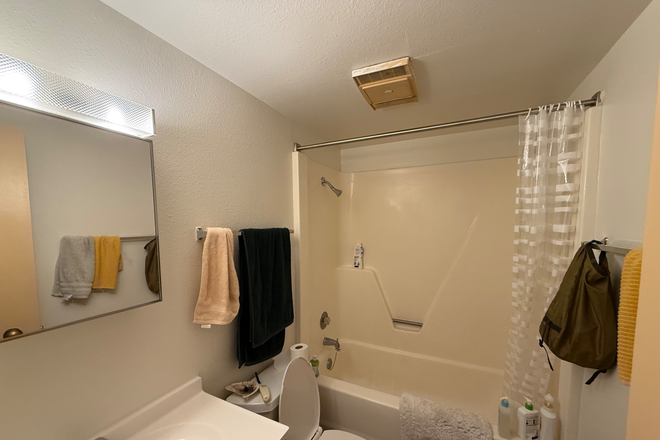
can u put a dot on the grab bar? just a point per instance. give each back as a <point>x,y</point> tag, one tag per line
<point>404,321</point>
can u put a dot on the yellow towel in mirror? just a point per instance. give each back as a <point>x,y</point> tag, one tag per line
<point>630,278</point>
<point>108,262</point>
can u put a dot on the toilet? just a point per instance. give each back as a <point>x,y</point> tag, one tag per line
<point>296,394</point>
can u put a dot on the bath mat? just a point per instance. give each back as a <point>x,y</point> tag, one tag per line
<point>424,419</point>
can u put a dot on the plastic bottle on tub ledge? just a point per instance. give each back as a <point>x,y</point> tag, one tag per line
<point>504,419</point>
<point>528,421</point>
<point>548,419</point>
<point>315,365</point>
<point>358,255</point>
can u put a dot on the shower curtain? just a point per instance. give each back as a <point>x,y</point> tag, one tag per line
<point>549,166</point>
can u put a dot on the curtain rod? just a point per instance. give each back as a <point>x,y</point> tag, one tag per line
<point>592,102</point>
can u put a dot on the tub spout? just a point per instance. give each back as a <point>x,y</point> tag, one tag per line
<point>331,342</point>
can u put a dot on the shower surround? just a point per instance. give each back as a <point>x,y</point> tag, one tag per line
<point>438,251</point>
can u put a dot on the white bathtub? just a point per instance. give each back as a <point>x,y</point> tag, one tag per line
<point>392,372</point>
<point>371,414</point>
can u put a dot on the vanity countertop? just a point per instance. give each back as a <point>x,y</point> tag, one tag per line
<point>188,413</point>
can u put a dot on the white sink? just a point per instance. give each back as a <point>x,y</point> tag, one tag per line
<point>182,431</point>
<point>188,413</point>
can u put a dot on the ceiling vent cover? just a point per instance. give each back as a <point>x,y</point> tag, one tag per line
<point>387,84</point>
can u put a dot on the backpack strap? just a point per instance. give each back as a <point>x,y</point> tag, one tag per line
<point>594,376</point>
<point>600,265</point>
<point>546,353</point>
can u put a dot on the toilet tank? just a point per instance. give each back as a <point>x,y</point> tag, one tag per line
<point>272,378</point>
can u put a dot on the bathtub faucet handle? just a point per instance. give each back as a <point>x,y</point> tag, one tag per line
<point>325,320</point>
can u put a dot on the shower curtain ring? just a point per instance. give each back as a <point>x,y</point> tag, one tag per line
<point>528,113</point>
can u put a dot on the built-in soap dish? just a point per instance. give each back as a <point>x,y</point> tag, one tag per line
<point>406,325</point>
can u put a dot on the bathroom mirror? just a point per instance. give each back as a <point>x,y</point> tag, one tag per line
<point>60,178</point>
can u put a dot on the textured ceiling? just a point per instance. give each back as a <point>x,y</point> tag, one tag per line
<point>471,57</point>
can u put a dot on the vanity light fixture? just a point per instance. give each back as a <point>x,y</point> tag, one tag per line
<point>29,86</point>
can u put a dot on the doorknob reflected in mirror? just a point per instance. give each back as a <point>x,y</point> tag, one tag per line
<point>12,332</point>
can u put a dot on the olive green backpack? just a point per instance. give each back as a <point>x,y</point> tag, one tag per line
<point>580,325</point>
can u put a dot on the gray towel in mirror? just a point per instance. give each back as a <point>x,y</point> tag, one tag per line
<point>74,270</point>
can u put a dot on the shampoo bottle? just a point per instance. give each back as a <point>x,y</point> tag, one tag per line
<point>528,421</point>
<point>358,255</point>
<point>548,419</point>
<point>504,419</point>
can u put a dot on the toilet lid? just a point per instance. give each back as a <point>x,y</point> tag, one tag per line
<point>300,409</point>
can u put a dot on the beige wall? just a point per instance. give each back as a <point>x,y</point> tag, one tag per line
<point>19,307</point>
<point>643,421</point>
<point>320,238</point>
<point>222,158</point>
<point>628,77</point>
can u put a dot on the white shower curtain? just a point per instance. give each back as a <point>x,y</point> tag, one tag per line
<point>546,209</point>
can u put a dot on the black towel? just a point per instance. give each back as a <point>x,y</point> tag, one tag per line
<point>266,297</point>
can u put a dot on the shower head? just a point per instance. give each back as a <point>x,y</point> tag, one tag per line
<point>334,190</point>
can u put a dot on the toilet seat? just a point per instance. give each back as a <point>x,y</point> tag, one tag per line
<point>300,407</point>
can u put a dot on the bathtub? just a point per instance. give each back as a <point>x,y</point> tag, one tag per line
<point>361,394</point>
<point>371,414</point>
<point>392,372</point>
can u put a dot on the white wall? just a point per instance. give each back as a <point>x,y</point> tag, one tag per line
<point>222,158</point>
<point>628,77</point>
<point>479,144</point>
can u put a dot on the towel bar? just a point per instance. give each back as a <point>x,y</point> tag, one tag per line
<point>201,233</point>
<point>137,238</point>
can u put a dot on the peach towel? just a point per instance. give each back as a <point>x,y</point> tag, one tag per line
<point>630,278</point>
<point>218,292</point>
<point>107,255</point>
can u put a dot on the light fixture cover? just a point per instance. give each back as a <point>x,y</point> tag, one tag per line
<point>30,86</point>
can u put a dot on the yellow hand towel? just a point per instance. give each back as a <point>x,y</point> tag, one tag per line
<point>107,252</point>
<point>630,278</point>
<point>218,292</point>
